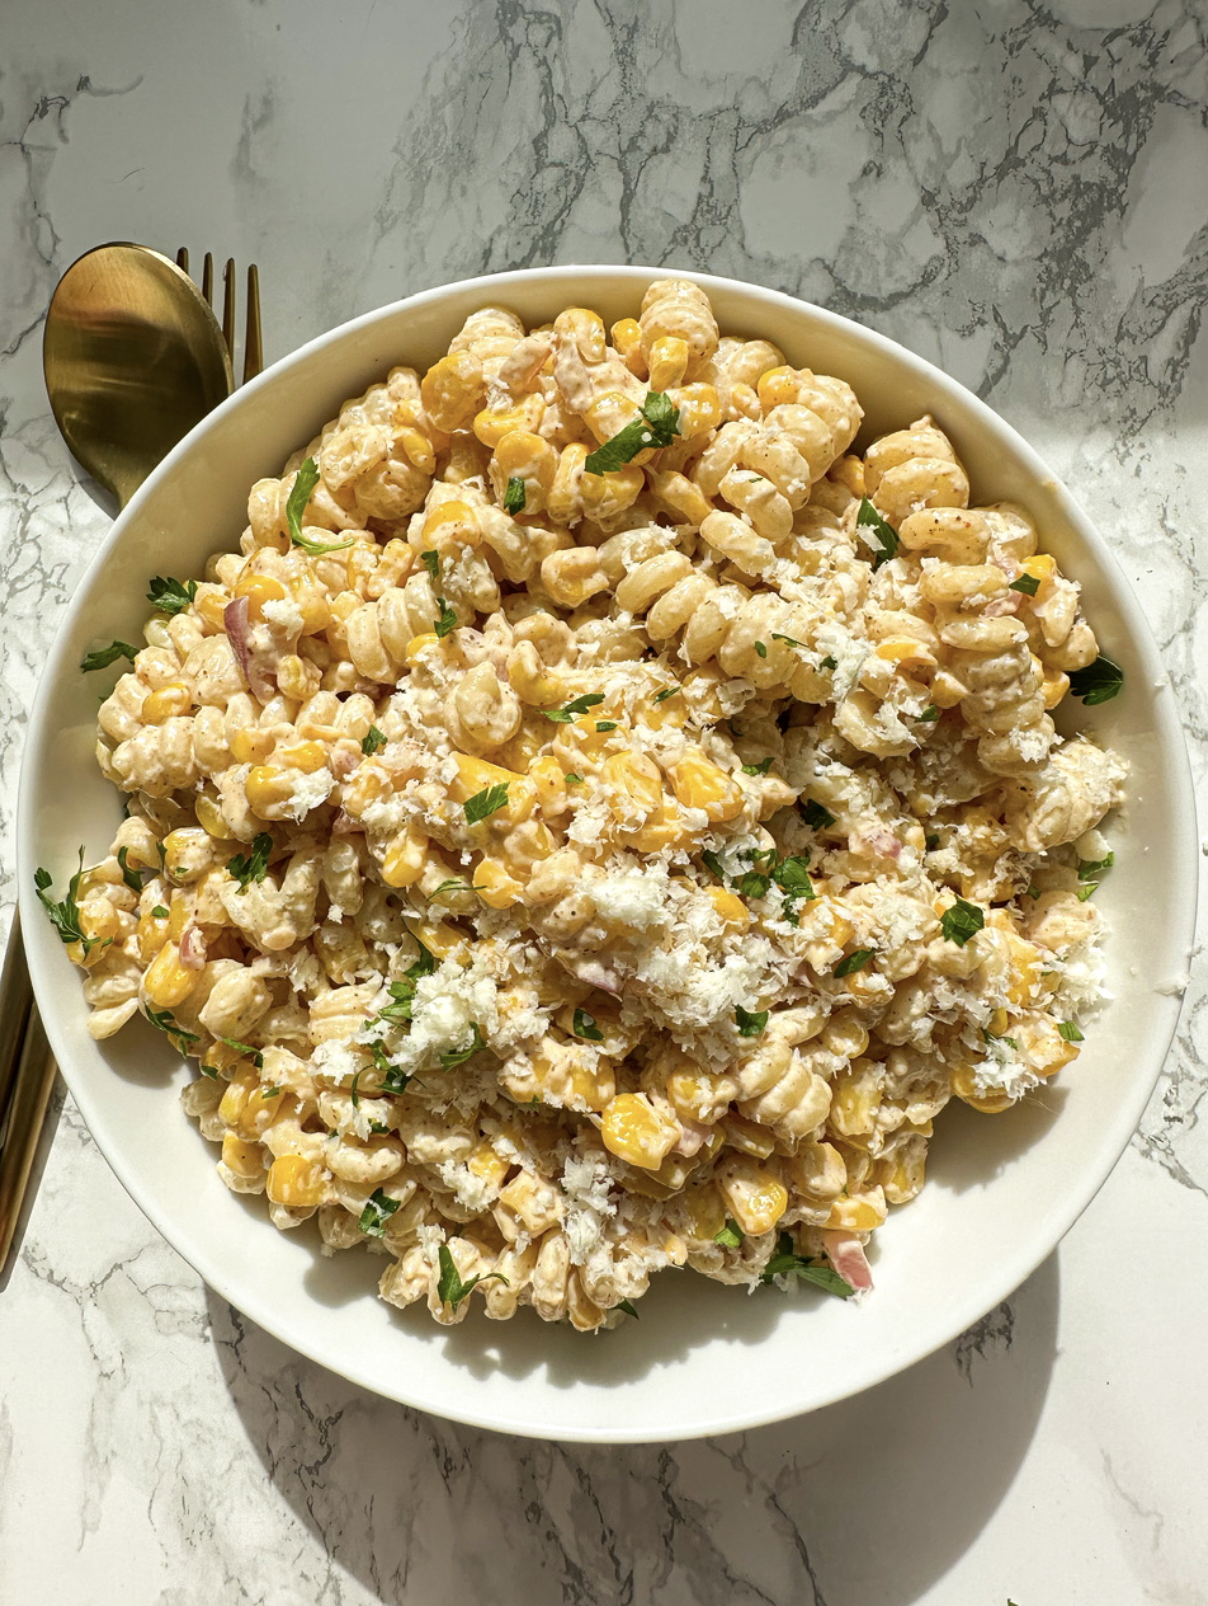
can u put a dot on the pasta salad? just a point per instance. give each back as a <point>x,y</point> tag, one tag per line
<point>598,819</point>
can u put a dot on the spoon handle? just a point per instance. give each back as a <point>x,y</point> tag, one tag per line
<point>27,1073</point>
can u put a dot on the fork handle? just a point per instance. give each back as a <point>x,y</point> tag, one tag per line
<point>27,1074</point>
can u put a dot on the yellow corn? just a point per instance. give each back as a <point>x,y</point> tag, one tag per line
<point>451,390</point>
<point>700,784</point>
<point>627,340</point>
<point>901,1176</point>
<point>547,776</point>
<point>309,757</point>
<point>704,1212</point>
<point>259,589</point>
<point>607,495</point>
<point>475,775</point>
<point>405,858</point>
<point>1054,686</point>
<point>180,910</point>
<point>296,1182</point>
<point>267,789</point>
<point>243,1158</point>
<point>250,745</point>
<point>244,1107</point>
<point>778,387</point>
<point>634,1131</point>
<point>418,645</point>
<point>152,935</point>
<point>211,605</point>
<point>522,455</point>
<point>731,908</point>
<point>297,678</point>
<point>1025,970</point>
<point>98,918</point>
<point>452,523</point>
<point>440,938</point>
<point>608,415</point>
<point>210,817</point>
<point>992,1102</point>
<point>699,409</point>
<point>167,982</point>
<point>860,1213</point>
<point>488,1165</point>
<point>495,886</point>
<point>168,702</point>
<point>1041,566</point>
<point>636,778</point>
<point>855,1102</point>
<point>664,828</point>
<point>756,1199</point>
<point>492,425</point>
<point>668,362</point>
<point>748,1137</point>
<point>904,649</point>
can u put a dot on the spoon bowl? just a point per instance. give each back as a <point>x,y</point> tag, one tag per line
<point>133,358</point>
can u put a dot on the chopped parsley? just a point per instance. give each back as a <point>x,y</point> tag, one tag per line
<point>606,724</point>
<point>1028,584</point>
<point>786,1262</point>
<point>458,1056</point>
<point>159,912</point>
<point>273,1092</point>
<point>815,816</point>
<point>761,649</point>
<point>563,716</point>
<point>788,640</point>
<point>657,425</point>
<point>667,691</point>
<point>253,866</point>
<point>792,876</point>
<point>162,1020</point>
<point>962,921</point>
<point>246,1050</point>
<point>104,656</point>
<point>828,663</point>
<point>761,768</point>
<point>931,841</point>
<point>431,562</point>
<point>377,1212</point>
<point>572,779</point>
<point>447,620</point>
<point>854,961</point>
<point>454,885</point>
<point>1031,892</point>
<point>451,1288</point>
<point>999,1037</point>
<point>371,741</point>
<point>729,1237</point>
<point>487,802</point>
<point>1091,868</point>
<point>1069,1030</point>
<point>403,990</point>
<point>299,499</point>
<point>713,864</point>
<point>394,1078</point>
<point>885,545</point>
<point>65,916</point>
<point>585,1026</point>
<point>513,497</point>
<point>132,878</point>
<point>929,715</point>
<point>628,1307</point>
<point>750,1025</point>
<point>1098,682</point>
<point>171,596</point>
<point>753,884</point>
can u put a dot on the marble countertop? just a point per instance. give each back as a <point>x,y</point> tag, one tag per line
<point>1018,193</point>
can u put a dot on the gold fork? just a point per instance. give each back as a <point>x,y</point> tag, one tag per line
<point>253,352</point>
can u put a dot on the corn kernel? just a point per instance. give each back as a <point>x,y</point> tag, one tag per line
<point>405,858</point>
<point>778,387</point>
<point>704,1212</point>
<point>267,789</point>
<point>296,1182</point>
<point>492,425</point>
<point>700,784</point>
<point>212,605</point>
<point>475,775</point>
<point>627,340</point>
<point>993,1101</point>
<point>152,935</point>
<point>699,409</point>
<point>169,702</point>
<point>634,1131</point>
<point>259,589</point>
<point>452,523</point>
<point>756,1198</point>
<point>250,745</point>
<point>210,817</point>
<point>418,645</point>
<point>180,911</point>
<point>668,359</point>
<point>488,1165</point>
<point>731,908</point>
<point>451,390</point>
<point>495,886</point>
<point>309,757</point>
<point>637,780</point>
<point>1041,566</point>
<point>904,649</point>
<point>858,1213</point>
<point>547,776</point>
<point>1054,686</point>
<point>167,982</point>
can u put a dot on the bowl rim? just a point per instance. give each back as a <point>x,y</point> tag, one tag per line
<point>1012,1270</point>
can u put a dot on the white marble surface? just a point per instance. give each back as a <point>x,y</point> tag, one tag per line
<point>1017,192</point>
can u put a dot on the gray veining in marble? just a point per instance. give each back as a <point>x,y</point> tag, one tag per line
<point>1018,192</point>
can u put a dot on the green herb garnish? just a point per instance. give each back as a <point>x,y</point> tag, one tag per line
<point>786,1262</point>
<point>753,884</point>
<point>962,921</point>
<point>750,1025</point>
<point>246,1049</point>
<point>854,961</point>
<point>929,715</point>
<point>729,1236</point>
<point>162,1020</point>
<point>1028,584</point>
<point>1091,868</point>
<point>657,425</point>
<point>572,779</point>
<point>450,1288</point>
<point>1069,1030</point>
<point>295,508</point>
<point>65,916</point>
<point>513,497</point>
<point>377,1212</point>
<point>931,841</point>
<point>171,596</point>
<point>104,656</point>
<point>628,1307</point>
<point>815,816</point>
<point>159,912</point>
<point>563,716</point>
<point>761,649</point>
<point>1098,682</point>
<point>447,620</point>
<point>249,867</point>
<point>667,691</point>
<point>431,562</point>
<point>371,741</point>
<point>827,663</point>
<point>793,878</point>
<point>788,640</point>
<point>132,878</point>
<point>487,802</point>
<point>761,768</point>
<point>886,544</point>
<point>585,1026</point>
<point>606,724</point>
<point>713,864</point>
<point>454,885</point>
<point>999,1037</point>
<point>458,1056</point>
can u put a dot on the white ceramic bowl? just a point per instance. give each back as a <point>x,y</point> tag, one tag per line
<point>702,1359</point>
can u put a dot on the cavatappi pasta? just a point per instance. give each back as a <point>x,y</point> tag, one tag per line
<point>564,867</point>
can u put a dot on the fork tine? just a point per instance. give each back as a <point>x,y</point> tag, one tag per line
<point>253,351</point>
<point>207,278</point>
<point>182,259</point>
<point>228,305</point>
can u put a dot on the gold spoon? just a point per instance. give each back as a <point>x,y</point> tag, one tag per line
<point>133,358</point>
